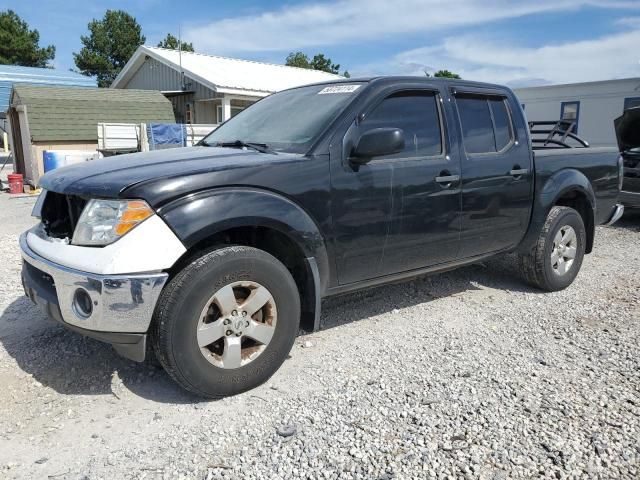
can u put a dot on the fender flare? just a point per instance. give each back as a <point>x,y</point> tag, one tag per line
<point>201,215</point>
<point>548,194</point>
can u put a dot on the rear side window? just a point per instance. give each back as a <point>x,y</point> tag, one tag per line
<point>477,128</point>
<point>502,122</point>
<point>486,124</point>
<point>416,113</point>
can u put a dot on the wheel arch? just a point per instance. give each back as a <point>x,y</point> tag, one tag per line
<point>580,202</point>
<point>259,219</point>
<point>569,188</point>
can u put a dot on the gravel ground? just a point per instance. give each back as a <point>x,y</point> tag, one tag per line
<point>468,374</point>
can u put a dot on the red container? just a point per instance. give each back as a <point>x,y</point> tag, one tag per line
<point>16,184</point>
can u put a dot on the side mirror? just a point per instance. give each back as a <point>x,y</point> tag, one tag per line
<point>377,142</point>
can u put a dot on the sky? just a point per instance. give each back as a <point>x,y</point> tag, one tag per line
<point>518,43</point>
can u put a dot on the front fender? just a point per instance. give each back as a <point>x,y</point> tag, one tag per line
<point>547,193</point>
<point>198,216</point>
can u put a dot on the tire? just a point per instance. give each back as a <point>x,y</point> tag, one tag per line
<point>191,311</point>
<point>542,267</point>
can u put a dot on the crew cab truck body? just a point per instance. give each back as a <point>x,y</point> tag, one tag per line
<point>219,253</point>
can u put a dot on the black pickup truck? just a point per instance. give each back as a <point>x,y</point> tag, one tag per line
<point>220,253</point>
<point>628,133</point>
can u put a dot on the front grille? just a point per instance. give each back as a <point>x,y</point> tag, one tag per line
<point>60,214</point>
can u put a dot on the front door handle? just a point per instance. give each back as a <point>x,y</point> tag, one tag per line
<point>446,180</point>
<point>518,172</point>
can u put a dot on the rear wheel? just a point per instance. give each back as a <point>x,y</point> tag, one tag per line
<point>555,261</point>
<point>227,321</point>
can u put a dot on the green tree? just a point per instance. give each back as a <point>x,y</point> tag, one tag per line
<point>172,42</point>
<point>19,45</point>
<point>109,45</point>
<point>318,62</point>
<point>297,59</point>
<point>446,74</point>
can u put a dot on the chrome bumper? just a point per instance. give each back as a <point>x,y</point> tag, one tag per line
<point>617,213</point>
<point>120,303</point>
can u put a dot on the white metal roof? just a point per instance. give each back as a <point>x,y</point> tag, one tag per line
<point>226,75</point>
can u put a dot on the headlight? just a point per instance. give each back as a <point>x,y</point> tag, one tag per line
<point>104,221</point>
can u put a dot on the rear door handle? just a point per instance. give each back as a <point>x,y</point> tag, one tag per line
<point>517,172</point>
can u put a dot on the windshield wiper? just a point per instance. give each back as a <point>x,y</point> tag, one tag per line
<point>260,147</point>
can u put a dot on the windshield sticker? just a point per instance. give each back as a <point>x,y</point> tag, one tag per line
<point>339,89</point>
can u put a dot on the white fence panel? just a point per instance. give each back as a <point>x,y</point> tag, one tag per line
<point>127,137</point>
<point>118,136</point>
<point>197,132</point>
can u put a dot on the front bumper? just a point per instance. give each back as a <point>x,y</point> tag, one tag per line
<point>121,306</point>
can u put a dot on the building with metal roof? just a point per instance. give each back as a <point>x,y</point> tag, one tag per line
<point>10,74</point>
<point>206,88</point>
<point>590,106</point>
<point>66,118</point>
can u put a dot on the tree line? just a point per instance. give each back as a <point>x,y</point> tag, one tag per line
<point>110,43</point>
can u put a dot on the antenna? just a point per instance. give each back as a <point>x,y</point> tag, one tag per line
<point>182,85</point>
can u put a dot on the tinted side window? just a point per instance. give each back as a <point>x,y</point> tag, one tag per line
<point>502,122</point>
<point>416,113</point>
<point>477,128</point>
<point>486,124</point>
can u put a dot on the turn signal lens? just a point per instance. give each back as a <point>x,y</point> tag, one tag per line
<point>123,228</point>
<point>135,215</point>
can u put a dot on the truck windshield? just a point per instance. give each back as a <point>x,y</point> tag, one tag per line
<point>287,121</point>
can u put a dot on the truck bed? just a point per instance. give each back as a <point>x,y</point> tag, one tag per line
<point>599,165</point>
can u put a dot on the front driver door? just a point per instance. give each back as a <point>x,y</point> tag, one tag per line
<point>396,213</point>
<point>425,228</point>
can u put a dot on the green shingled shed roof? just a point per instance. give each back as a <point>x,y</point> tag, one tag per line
<point>73,114</point>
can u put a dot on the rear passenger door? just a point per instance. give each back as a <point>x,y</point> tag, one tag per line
<point>497,179</point>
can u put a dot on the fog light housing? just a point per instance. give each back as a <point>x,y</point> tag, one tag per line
<point>82,303</point>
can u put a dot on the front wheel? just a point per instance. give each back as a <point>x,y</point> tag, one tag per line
<point>226,322</point>
<point>555,261</point>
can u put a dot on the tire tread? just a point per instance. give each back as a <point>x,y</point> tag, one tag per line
<point>161,329</point>
<point>532,264</point>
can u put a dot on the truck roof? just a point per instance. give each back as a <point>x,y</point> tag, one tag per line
<point>390,79</point>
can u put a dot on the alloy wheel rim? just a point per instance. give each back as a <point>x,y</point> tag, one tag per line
<point>563,252</point>
<point>237,324</point>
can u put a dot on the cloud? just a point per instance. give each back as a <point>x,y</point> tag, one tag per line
<point>344,21</point>
<point>477,58</point>
<point>633,22</point>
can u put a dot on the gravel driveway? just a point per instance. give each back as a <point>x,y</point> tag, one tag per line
<point>468,374</point>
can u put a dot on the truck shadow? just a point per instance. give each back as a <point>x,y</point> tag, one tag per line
<point>497,273</point>
<point>74,365</point>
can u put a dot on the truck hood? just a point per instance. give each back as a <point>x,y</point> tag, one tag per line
<point>108,177</point>
<point>628,129</point>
